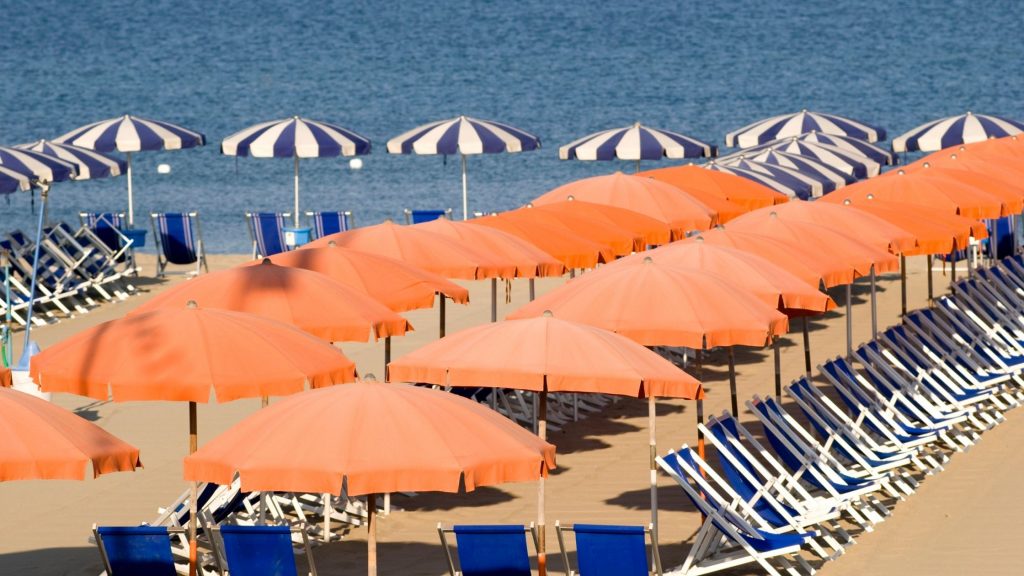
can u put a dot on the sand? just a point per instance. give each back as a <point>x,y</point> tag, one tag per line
<point>961,521</point>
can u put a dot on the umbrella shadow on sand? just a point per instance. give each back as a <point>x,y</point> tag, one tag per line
<point>79,560</point>
<point>586,435</point>
<point>349,557</point>
<point>482,497</point>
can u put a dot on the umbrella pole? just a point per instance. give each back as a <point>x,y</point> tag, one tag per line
<point>874,303</point>
<point>44,194</point>
<point>465,191</point>
<point>930,289</point>
<point>533,289</point>
<point>778,368</point>
<point>807,347</point>
<point>903,282</point>
<point>131,204</point>
<point>542,431</point>
<point>441,320</point>
<point>494,299</point>
<point>849,320</point>
<point>387,357</point>
<point>732,381</point>
<point>952,269</point>
<point>371,535</point>
<point>651,412</point>
<point>296,217</point>
<point>700,405</point>
<point>5,341</point>
<point>193,445</point>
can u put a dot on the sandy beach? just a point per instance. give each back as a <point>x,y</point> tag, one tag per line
<point>961,521</point>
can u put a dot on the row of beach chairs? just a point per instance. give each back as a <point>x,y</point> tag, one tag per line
<point>836,459</point>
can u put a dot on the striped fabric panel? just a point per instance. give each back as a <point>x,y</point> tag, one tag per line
<point>37,165</point>
<point>636,142</point>
<point>132,134</point>
<point>955,130</point>
<point>463,135</point>
<point>789,125</point>
<point>176,239</point>
<point>89,163</point>
<point>295,137</point>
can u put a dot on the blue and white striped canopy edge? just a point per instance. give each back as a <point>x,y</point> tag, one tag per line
<point>636,142</point>
<point>12,181</point>
<point>851,163</point>
<point>795,124</point>
<point>89,163</point>
<point>852,145</point>
<point>37,166</point>
<point>463,135</point>
<point>295,137</point>
<point>132,134</point>
<point>955,130</point>
<point>789,182</point>
<point>810,167</point>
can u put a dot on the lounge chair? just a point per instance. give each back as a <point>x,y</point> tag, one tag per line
<point>266,230</point>
<point>603,550</point>
<point>107,227</point>
<point>179,240</point>
<point>259,550</point>
<point>488,550</point>
<point>327,223</point>
<point>420,216</point>
<point>136,550</point>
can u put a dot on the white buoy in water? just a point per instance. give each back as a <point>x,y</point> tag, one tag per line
<point>356,164</point>
<point>163,169</point>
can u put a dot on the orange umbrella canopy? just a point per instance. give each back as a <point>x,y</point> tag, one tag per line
<point>644,195</point>
<point>700,182</point>
<point>529,261</point>
<point>837,246</point>
<point>774,285</point>
<point>302,298</point>
<point>182,354</point>
<point>655,304</point>
<point>995,148</point>
<point>864,227</point>
<point>651,231</point>
<point>997,183</point>
<point>376,438</point>
<point>619,239</point>
<point>914,188</point>
<point>937,232</point>
<point>572,250</point>
<point>397,285</point>
<point>802,260</point>
<point>545,354</point>
<point>421,248</point>
<point>44,442</point>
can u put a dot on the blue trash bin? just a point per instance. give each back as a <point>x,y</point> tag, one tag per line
<point>295,237</point>
<point>136,235</point>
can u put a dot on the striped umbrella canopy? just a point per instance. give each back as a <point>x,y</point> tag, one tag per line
<point>831,178</point>
<point>89,163</point>
<point>962,129</point>
<point>845,161</point>
<point>798,123</point>
<point>464,136</point>
<point>790,182</point>
<point>132,134</point>
<point>636,142</point>
<point>38,167</point>
<point>12,181</point>
<point>295,137</point>
<point>852,145</point>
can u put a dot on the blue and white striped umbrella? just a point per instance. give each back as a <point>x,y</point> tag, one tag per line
<point>788,182</point>
<point>795,124</point>
<point>39,167</point>
<point>810,167</point>
<point>955,130</point>
<point>636,142</point>
<point>851,163</point>
<point>13,181</point>
<point>89,163</point>
<point>296,138</point>
<point>852,145</point>
<point>132,134</point>
<point>464,136</point>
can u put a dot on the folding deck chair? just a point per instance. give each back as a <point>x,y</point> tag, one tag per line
<point>487,550</point>
<point>420,216</point>
<point>108,228</point>
<point>266,230</point>
<point>179,240</point>
<point>136,550</point>
<point>259,550</point>
<point>327,223</point>
<point>603,550</point>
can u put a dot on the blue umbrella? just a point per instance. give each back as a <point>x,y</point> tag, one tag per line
<point>463,136</point>
<point>295,138</point>
<point>955,130</point>
<point>636,142</point>
<point>132,134</point>
<point>788,125</point>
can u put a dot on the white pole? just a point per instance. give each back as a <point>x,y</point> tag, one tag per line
<point>131,205</point>
<point>651,412</point>
<point>296,214</point>
<point>465,191</point>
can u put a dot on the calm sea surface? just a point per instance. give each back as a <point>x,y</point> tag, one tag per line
<point>558,69</point>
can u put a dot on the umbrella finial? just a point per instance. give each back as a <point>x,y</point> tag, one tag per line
<point>265,262</point>
<point>548,314</point>
<point>927,165</point>
<point>332,244</point>
<point>648,260</point>
<point>570,198</point>
<point>847,202</point>
<point>871,196</point>
<point>952,156</point>
<point>969,113</point>
<point>529,204</point>
<point>901,172</point>
<point>191,305</point>
<point>773,215</point>
<point>698,239</point>
<point>369,377</point>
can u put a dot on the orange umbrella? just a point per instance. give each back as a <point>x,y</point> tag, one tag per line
<point>44,442</point>
<point>572,250</point>
<point>397,285</point>
<point>421,248</point>
<point>622,241</point>
<point>1006,147</point>
<point>746,194</point>
<point>372,438</point>
<point>801,260</point>
<point>550,355</point>
<point>998,184</point>
<point>185,353</point>
<point>651,231</point>
<point>914,188</point>
<point>644,195</point>
<point>302,298</point>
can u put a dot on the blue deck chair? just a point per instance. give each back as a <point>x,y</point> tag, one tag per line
<point>260,550</point>
<point>420,216</point>
<point>327,223</point>
<point>107,227</point>
<point>179,240</point>
<point>604,550</point>
<point>266,230</point>
<point>136,550</point>
<point>488,550</point>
